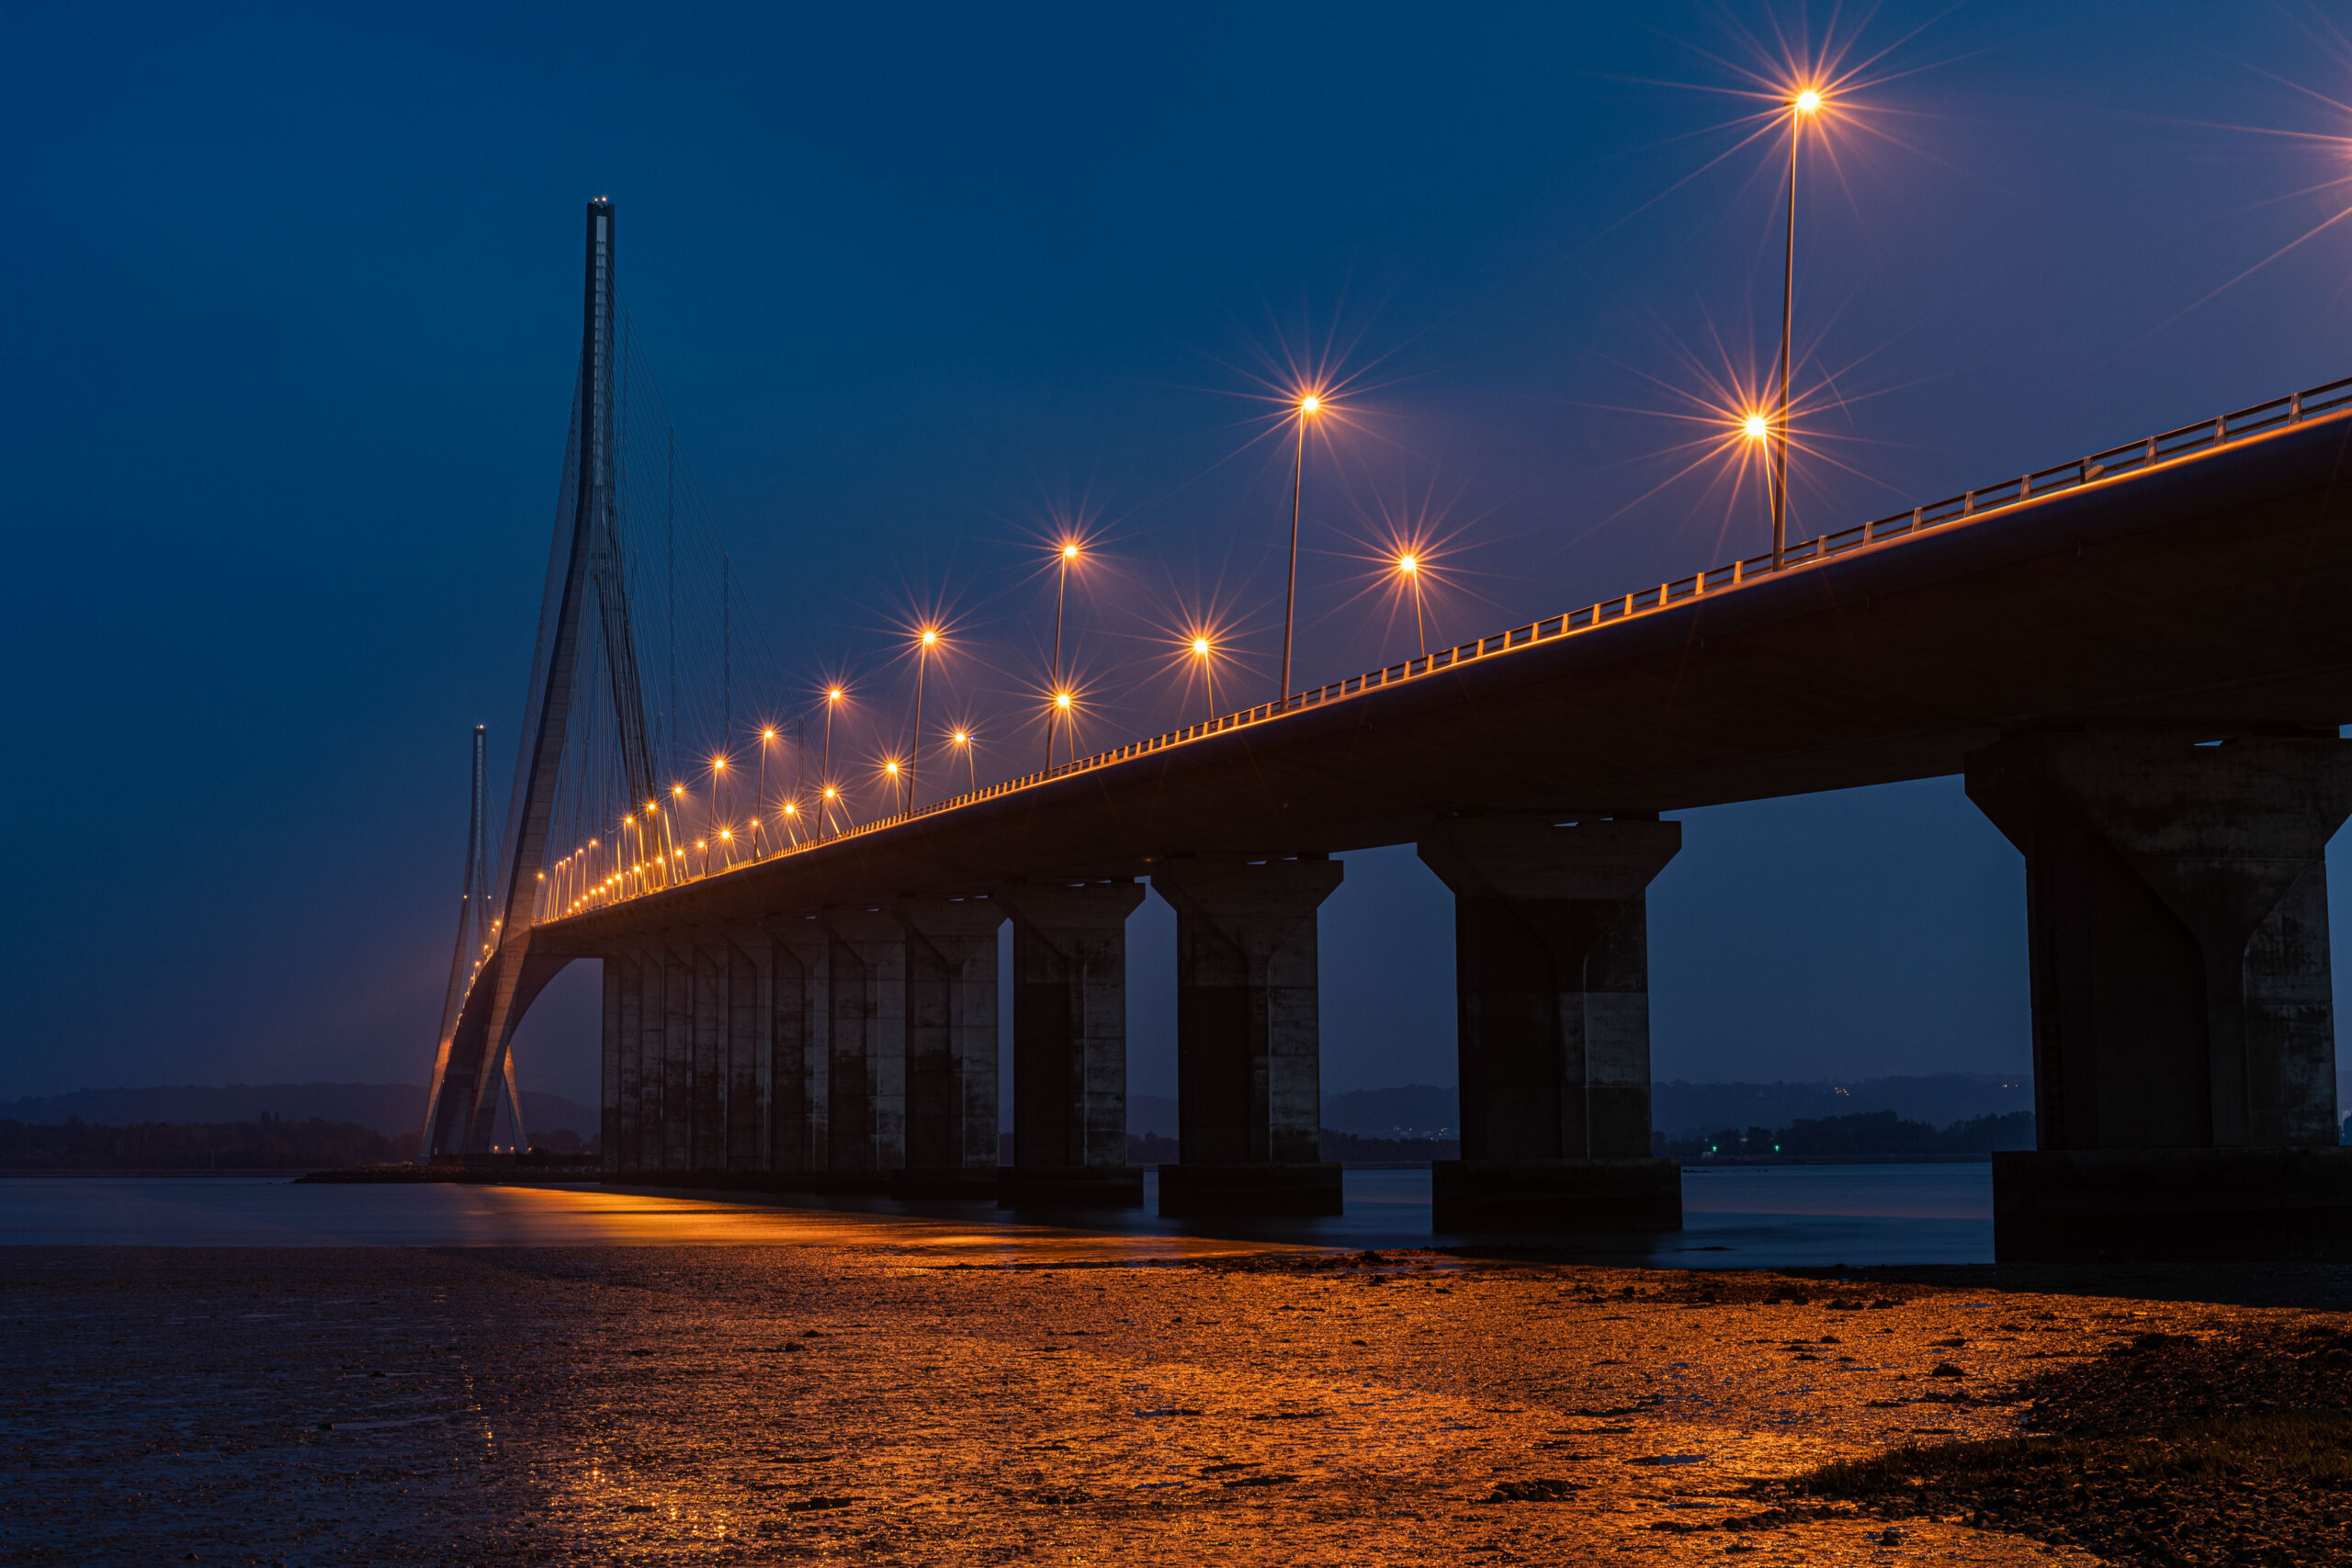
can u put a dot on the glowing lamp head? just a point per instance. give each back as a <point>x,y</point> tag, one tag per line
<point>1755,427</point>
<point>728,834</point>
<point>1061,699</point>
<point>1409,565</point>
<point>1808,101</point>
<point>790,809</point>
<point>890,768</point>
<point>831,792</point>
<point>963,738</point>
<point>768,734</point>
<point>834,695</point>
<point>700,844</point>
<point>1200,648</point>
<point>1311,404</point>
<point>677,789</point>
<point>1069,551</point>
<point>718,765</point>
<point>930,639</point>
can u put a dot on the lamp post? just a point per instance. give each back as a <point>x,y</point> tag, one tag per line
<point>767,737</point>
<point>924,644</point>
<point>1310,405</point>
<point>1802,105</point>
<point>833,695</point>
<point>1067,553</point>
<point>718,789</point>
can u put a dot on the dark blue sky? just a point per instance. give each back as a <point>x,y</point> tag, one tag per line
<point>291,324</point>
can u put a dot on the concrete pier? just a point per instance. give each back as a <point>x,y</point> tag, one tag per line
<point>950,1007</point>
<point>1552,976</point>
<point>1070,1046</point>
<point>617,1056</point>
<point>867,973</point>
<point>800,1052</point>
<point>677,961</point>
<point>2182,1015</point>
<point>645,962</point>
<point>708,1137</point>
<point>745,952</point>
<point>1249,1108</point>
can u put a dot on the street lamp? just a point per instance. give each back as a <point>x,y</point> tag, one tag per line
<point>1059,717</point>
<point>1409,564</point>
<point>1310,405</point>
<point>833,695</point>
<point>924,644</point>
<point>767,739</point>
<point>1802,105</point>
<point>1206,651</point>
<point>1063,557</point>
<point>971,764</point>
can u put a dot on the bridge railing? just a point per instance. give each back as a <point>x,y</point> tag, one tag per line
<point>2188,442</point>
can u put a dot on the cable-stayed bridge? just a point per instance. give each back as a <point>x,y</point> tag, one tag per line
<point>2137,658</point>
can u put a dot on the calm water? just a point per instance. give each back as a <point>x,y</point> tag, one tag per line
<point>1746,1217</point>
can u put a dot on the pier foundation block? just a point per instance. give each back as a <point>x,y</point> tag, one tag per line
<point>2183,1011</point>
<point>1552,983</point>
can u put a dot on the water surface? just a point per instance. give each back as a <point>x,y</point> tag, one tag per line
<point>1755,1216</point>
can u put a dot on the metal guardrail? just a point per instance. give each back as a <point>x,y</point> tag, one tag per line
<point>2188,441</point>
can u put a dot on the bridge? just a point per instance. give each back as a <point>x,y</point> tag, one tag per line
<point>2137,659</point>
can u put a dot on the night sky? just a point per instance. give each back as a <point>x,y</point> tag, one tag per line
<point>293,321</point>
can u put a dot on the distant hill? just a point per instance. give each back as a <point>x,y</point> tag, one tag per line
<point>1682,1110</point>
<point>1414,1111</point>
<point>389,1109</point>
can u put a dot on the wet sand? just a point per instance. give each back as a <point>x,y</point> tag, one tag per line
<point>858,1399</point>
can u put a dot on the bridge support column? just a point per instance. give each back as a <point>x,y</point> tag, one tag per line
<point>708,955</point>
<point>1070,1046</point>
<point>800,1052</point>
<point>648,966</point>
<point>951,985</point>
<point>677,960</point>
<point>866,966</point>
<point>2183,1016</point>
<point>1551,940</point>
<point>618,1078</point>
<point>748,958</point>
<point>1249,1083</point>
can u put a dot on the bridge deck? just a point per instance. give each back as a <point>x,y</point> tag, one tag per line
<point>2202,586</point>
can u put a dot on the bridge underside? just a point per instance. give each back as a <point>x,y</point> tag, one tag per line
<point>2209,598</point>
<point>2076,656</point>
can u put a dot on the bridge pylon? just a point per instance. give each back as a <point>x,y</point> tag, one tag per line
<point>476,1055</point>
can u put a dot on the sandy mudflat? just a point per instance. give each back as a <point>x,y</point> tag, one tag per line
<point>832,1402</point>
